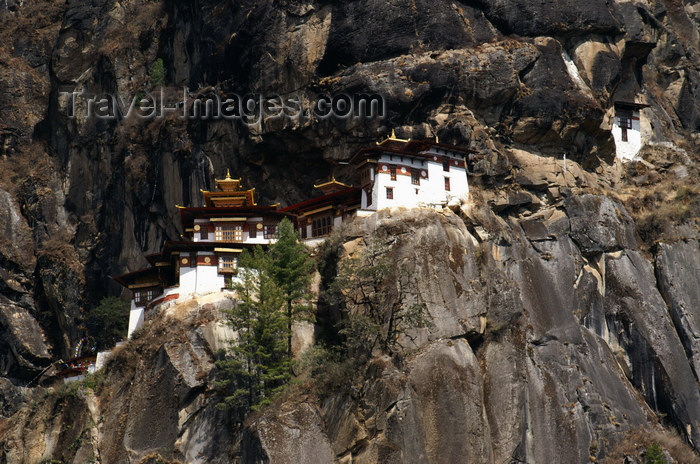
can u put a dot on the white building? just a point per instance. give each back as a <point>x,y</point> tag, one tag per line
<point>394,173</point>
<point>398,172</point>
<point>206,259</point>
<point>626,129</point>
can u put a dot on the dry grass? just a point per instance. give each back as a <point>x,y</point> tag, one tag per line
<point>658,209</point>
<point>636,442</point>
<point>30,161</point>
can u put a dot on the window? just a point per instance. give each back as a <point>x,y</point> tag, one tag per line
<point>365,176</point>
<point>625,122</point>
<point>321,226</point>
<point>390,193</point>
<point>229,233</point>
<point>228,263</point>
<point>269,231</point>
<point>392,172</point>
<point>446,165</point>
<point>415,176</point>
<point>253,231</point>
<point>149,295</point>
<point>447,184</point>
<point>204,233</point>
<point>368,192</point>
<point>137,297</point>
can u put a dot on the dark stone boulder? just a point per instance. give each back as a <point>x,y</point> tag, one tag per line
<point>552,17</point>
<point>598,224</point>
<point>25,348</point>
<point>400,26</point>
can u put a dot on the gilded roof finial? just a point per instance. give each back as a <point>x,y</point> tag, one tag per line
<point>436,139</point>
<point>393,134</point>
<point>228,173</point>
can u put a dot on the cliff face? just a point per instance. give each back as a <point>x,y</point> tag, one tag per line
<point>549,341</point>
<point>586,306</point>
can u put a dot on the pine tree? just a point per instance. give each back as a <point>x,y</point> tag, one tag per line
<point>272,292</point>
<point>257,366</point>
<point>292,267</point>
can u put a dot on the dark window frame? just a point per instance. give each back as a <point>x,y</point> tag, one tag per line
<point>269,231</point>
<point>322,226</point>
<point>415,176</point>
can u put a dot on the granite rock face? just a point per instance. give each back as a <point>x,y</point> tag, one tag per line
<point>677,268</point>
<point>493,76</point>
<point>540,348</point>
<point>553,331</point>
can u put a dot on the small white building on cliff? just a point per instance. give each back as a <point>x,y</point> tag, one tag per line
<point>627,130</point>
<point>411,174</point>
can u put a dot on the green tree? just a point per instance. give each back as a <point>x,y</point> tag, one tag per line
<point>291,267</point>
<point>257,365</point>
<point>158,73</point>
<point>379,298</point>
<point>272,292</point>
<point>107,322</point>
<point>654,454</point>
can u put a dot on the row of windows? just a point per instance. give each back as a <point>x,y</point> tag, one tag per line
<point>321,226</point>
<point>228,263</point>
<point>390,190</point>
<point>415,173</point>
<point>143,296</point>
<point>234,233</point>
<point>228,233</point>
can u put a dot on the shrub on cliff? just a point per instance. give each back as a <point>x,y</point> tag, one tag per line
<point>107,322</point>
<point>379,300</point>
<point>158,73</point>
<point>378,307</point>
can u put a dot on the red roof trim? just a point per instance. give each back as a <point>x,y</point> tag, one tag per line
<point>321,199</point>
<point>122,278</point>
<point>412,148</point>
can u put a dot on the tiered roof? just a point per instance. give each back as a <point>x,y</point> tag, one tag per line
<point>405,147</point>
<point>229,194</point>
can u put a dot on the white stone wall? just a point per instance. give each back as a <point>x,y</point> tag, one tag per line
<point>208,280</point>
<point>431,190</point>
<point>629,149</point>
<point>135,318</point>
<point>188,281</point>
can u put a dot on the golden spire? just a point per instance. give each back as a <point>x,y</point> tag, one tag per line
<point>228,173</point>
<point>436,139</point>
<point>393,137</point>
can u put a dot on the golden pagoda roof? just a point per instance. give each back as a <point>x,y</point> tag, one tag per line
<point>229,193</point>
<point>331,186</point>
<point>393,138</point>
<point>228,184</point>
